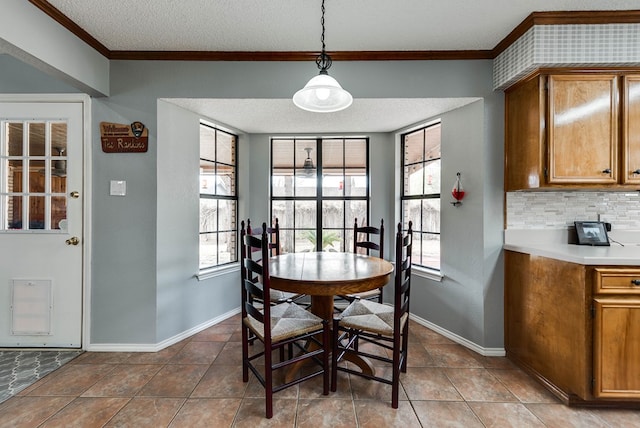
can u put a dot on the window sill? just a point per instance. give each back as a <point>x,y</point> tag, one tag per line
<point>217,271</point>
<point>427,273</point>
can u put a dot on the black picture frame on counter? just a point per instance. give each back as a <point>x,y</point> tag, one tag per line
<point>592,233</point>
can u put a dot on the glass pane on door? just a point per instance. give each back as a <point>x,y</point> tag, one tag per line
<point>33,175</point>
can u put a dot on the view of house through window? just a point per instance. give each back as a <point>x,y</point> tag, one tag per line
<point>319,186</point>
<point>421,193</point>
<point>218,197</point>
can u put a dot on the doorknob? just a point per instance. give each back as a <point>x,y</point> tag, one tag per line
<point>73,241</point>
<point>74,194</point>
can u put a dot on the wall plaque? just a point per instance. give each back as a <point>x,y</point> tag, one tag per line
<point>121,138</point>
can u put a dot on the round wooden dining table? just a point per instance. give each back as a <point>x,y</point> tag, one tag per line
<point>323,275</point>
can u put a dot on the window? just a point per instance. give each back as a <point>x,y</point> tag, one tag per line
<point>319,186</point>
<point>421,193</point>
<point>218,197</point>
<point>33,175</point>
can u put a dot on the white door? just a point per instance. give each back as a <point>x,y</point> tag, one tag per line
<point>41,193</point>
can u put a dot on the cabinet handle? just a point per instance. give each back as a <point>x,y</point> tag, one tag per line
<point>635,281</point>
<point>637,171</point>
<point>606,171</point>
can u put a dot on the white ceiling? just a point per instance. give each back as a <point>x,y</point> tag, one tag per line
<point>294,25</point>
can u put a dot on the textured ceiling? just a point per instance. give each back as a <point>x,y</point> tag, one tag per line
<point>294,25</point>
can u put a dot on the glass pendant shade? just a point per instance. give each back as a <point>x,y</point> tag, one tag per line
<point>322,94</point>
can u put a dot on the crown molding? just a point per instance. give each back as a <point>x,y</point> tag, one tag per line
<point>536,18</point>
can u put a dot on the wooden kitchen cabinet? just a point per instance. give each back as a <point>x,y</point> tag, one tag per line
<point>573,130</point>
<point>575,328</point>
<point>616,331</point>
<point>582,129</point>
<point>631,130</point>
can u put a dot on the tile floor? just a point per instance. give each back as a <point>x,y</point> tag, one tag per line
<point>198,383</point>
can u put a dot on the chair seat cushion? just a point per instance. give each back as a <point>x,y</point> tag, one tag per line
<point>370,316</point>
<point>281,296</point>
<point>366,294</point>
<point>287,320</point>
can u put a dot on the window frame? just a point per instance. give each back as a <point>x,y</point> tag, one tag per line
<point>319,197</point>
<point>218,197</point>
<point>417,229</point>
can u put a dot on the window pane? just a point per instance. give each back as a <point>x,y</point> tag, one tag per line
<point>226,148</point>
<point>332,182</point>
<point>58,211</point>
<point>37,176</point>
<point>15,139</point>
<point>413,179</point>
<point>355,154</point>
<point>305,240</point>
<point>207,143</point>
<point>431,215</point>
<point>207,178</point>
<point>208,215</point>
<point>355,209</point>
<point>432,177</point>
<point>305,212</point>
<point>226,247</point>
<point>282,154</point>
<point>414,147</point>
<point>431,250</point>
<point>356,183</point>
<point>286,241</point>
<point>411,210</point>
<point>333,154</point>
<point>432,142</point>
<point>208,250</point>
<point>225,180</point>
<point>332,240</point>
<point>305,186</point>
<point>226,215</point>
<point>333,214</point>
<point>58,139</point>
<point>36,139</point>
<point>14,212</point>
<point>282,182</point>
<point>283,211</point>
<point>36,212</point>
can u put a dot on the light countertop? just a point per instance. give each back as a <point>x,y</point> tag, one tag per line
<point>553,243</point>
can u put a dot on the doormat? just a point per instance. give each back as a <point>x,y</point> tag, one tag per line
<point>19,369</point>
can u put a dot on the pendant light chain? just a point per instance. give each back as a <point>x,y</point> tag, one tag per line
<point>322,23</point>
<point>323,60</point>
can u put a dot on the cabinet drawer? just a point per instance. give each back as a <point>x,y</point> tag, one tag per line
<point>617,281</point>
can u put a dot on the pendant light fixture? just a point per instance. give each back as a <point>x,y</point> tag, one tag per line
<point>323,93</point>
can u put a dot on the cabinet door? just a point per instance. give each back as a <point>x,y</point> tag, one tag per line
<point>631,131</point>
<point>524,148</point>
<point>583,129</point>
<point>617,347</point>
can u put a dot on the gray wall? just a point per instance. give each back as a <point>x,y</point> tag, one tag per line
<point>142,286</point>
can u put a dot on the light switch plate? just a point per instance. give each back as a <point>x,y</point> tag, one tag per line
<point>118,188</point>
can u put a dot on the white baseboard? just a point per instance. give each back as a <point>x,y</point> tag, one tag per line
<point>487,352</point>
<point>155,347</point>
<point>151,347</point>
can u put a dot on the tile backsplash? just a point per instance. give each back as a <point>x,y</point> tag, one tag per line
<point>553,210</point>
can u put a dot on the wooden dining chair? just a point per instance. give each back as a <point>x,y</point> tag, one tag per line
<point>273,234</point>
<point>365,239</point>
<point>382,325</point>
<point>277,327</point>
